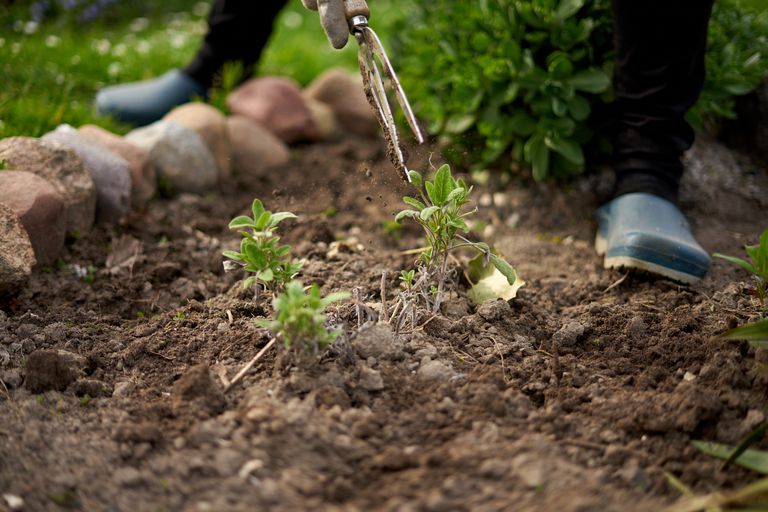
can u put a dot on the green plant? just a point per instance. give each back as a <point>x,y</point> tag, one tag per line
<point>758,267</point>
<point>231,75</point>
<point>407,277</point>
<point>441,212</point>
<point>260,252</point>
<point>300,318</point>
<point>510,82</point>
<point>85,400</point>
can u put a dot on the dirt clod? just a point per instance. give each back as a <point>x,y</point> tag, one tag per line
<point>53,370</point>
<point>197,391</point>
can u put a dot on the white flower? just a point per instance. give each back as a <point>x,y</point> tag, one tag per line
<point>143,47</point>
<point>201,9</point>
<point>2,42</point>
<point>15,48</point>
<point>178,40</point>
<point>101,46</point>
<point>52,41</point>
<point>292,19</point>
<point>114,69</point>
<point>75,60</point>
<point>138,24</point>
<point>30,27</point>
<point>119,50</point>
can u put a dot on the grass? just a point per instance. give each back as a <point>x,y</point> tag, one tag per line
<point>51,72</point>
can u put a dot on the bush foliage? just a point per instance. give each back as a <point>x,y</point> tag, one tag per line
<point>520,80</point>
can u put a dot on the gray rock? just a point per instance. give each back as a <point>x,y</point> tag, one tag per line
<point>17,257</point>
<point>254,148</point>
<point>111,174</point>
<point>377,341</point>
<point>128,476</point>
<point>40,209</point>
<point>64,169</point>
<point>143,173</point>
<point>179,155</point>
<point>211,125</point>
<point>277,104</point>
<point>435,371</point>
<point>370,379</point>
<point>636,327</point>
<point>53,370</point>
<point>568,335</point>
<point>494,309</point>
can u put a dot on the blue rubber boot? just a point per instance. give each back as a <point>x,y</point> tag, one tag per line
<point>643,231</point>
<point>142,103</point>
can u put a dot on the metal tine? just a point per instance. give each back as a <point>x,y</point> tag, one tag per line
<point>379,95</point>
<point>378,49</point>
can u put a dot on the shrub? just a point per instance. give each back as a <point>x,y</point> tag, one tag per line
<point>519,80</point>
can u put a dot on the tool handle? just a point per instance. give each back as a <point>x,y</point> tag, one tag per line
<point>354,8</point>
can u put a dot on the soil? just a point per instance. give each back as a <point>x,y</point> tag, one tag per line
<point>577,395</point>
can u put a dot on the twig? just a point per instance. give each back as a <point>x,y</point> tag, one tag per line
<point>158,354</point>
<point>383,315</point>
<point>501,357</point>
<point>250,364</point>
<point>358,307</point>
<point>5,388</point>
<point>617,283</point>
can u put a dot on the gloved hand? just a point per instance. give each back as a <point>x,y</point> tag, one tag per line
<point>334,15</point>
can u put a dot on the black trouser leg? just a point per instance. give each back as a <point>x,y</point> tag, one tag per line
<point>659,75</point>
<point>238,30</point>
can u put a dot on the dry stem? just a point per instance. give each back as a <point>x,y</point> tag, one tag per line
<point>250,364</point>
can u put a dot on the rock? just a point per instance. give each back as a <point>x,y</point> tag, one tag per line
<point>111,174</point>
<point>343,92</point>
<point>636,328</point>
<point>254,148</point>
<point>179,155</point>
<point>324,119</point>
<point>378,341</point>
<point>11,377</point>
<point>64,169</point>
<point>211,125</point>
<point>128,476</point>
<point>143,173</point>
<point>370,379</point>
<point>568,334</point>
<point>494,310</point>
<point>123,389</point>
<point>53,370</point>
<point>530,469</point>
<point>17,257</point>
<point>14,502</point>
<point>39,208</point>
<point>197,391</point>
<point>277,104</point>
<point>435,371</point>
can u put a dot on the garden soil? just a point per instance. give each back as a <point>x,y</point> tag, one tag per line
<point>579,394</point>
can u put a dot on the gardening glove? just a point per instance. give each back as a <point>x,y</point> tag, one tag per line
<point>334,15</point>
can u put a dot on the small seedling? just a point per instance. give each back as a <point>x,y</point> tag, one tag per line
<point>85,400</point>
<point>442,213</point>
<point>407,277</point>
<point>260,252</point>
<point>758,267</point>
<point>300,319</point>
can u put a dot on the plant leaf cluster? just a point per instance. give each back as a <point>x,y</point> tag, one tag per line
<point>300,318</point>
<point>758,267</point>
<point>521,80</point>
<point>260,251</point>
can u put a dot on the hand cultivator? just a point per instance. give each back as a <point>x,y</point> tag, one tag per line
<point>370,46</point>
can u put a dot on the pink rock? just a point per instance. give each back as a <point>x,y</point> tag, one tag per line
<point>211,125</point>
<point>16,254</point>
<point>254,148</point>
<point>324,119</point>
<point>277,104</point>
<point>64,169</point>
<point>343,92</point>
<point>41,210</point>
<point>143,172</point>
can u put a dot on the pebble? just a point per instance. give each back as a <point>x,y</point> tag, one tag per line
<point>143,172</point>
<point>40,208</point>
<point>53,370</point>
<point>435,371</point>
<point>494,310</point>
<point>211,125</point>
<point>111,174</point>
<point>371,379</point>
<point>254,148</point>
<point>17,257</point>
<point>64,169</point>
<point>530,469</point>
<point>277,104</point>
<point>14,502</point>
<point>179,155</point>
<point>128,477</point>
<point>123,389</point>
<point>568,334</point>
<point>377,341</point>
<point>343,92</point>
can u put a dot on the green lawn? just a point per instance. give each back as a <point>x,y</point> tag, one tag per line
<point>52,72</point>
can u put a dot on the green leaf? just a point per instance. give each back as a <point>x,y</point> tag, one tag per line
<point>459,224</point>
<point>756,460</point>
<point>568,8</point>
<point>241,222</point>
<point>255,255</point>
<point>538,155</point>
<point>426,213</point>
<point>489,283</point>
<point>411,201</point>
<point>416,179</point>
<point>566,147</point>
<point>443,184</point>
<point>521,123</point>
<point>737,261</point>
<point>406,213</point>
<point>233,255</point>
<point>257,208</point>
<point>579,108</point>
<point>591,80</point>
<point>333,297</point>
<point>505,268</point>
<point>266,275</point>
<point>459,123</point>
<point>278,217</point>
<point>249,282</point>
<point>756,332</point>
<point>262,222</point>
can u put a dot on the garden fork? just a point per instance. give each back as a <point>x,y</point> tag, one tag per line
<point>357,13</point>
